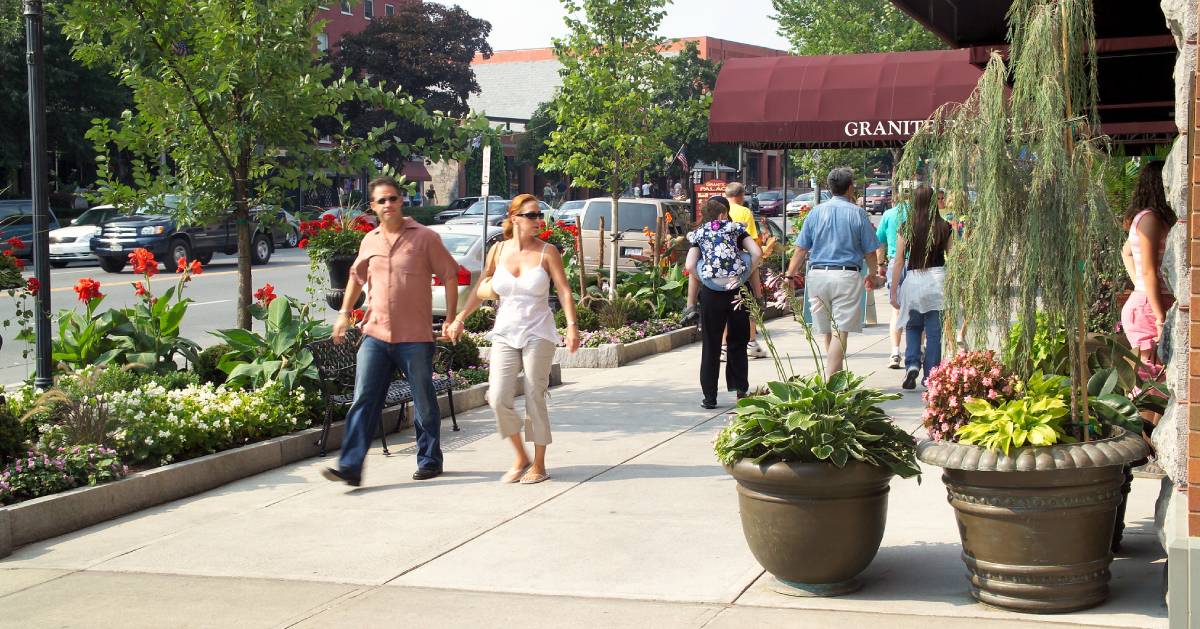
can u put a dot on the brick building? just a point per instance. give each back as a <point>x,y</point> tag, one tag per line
<point>343,17</point>
<point>514,82</point>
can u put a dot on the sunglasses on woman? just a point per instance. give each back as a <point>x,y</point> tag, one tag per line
<point>532,215</point>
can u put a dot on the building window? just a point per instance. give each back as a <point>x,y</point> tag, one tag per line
<point>369,9</point>
<point>389,10</point>
<point>346,7</point>
<point>323,41</point>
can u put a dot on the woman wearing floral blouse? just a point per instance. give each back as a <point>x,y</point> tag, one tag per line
<point>721,259</point>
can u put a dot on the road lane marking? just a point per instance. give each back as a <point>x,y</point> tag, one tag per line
<point>205,303</point>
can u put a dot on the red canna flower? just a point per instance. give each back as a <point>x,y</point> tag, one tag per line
<point>357,315</point>
<point>139,289</point>
<point>143,262</point>
<point>8,252</point>
<point>20,263</point>
<point>16,243</point>
<point>32,285</point>
<point>182,265</point>
<point>88,289</point>
<point>265,295</point>
<point>196,268</point>
<point>303,243</point>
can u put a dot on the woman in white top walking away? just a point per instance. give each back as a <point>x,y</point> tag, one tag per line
<point>521,269</point>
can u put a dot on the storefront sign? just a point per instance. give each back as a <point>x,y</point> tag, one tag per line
<point>869,128</point>
<point>707,190</point>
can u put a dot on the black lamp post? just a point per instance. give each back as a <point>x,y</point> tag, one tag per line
<point>43,379</point>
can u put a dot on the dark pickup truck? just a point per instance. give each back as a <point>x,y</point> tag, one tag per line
<point>152,227</point>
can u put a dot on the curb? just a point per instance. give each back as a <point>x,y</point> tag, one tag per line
<point>57,514</point>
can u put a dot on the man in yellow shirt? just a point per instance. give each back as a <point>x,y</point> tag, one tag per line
<point>739,213</point>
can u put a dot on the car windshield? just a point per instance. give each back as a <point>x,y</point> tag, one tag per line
<point>16,212</point>
<point>94,216</point>
<point>159,205</point>
<point>571,207</point>
<point>876,191</point>
<point>458,244</point>
<point>495,206</point>
<point>770,196</point>
<point>634,216</point>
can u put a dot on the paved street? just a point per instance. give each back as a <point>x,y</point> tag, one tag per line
<point>637,528</point>
<point>214,294</point>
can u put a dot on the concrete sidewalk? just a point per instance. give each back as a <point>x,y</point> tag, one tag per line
<point>637,528</point>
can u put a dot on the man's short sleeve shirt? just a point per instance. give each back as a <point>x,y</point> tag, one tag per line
<point>838,233</point>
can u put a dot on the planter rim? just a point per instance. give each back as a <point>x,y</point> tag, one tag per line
<point>747,465</point>
<point>1120,449</point>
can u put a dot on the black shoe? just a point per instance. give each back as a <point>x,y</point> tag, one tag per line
<point>353,480</point>
<point>709,404</point>
<point>426,474</point>
<point>742,394</point>
<point>910,378</point>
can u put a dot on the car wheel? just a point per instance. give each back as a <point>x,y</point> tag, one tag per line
<point>205,258</point>
<point>180,249</point>
<point>260,249</point>
<point>59,264</point>
<point>292,239</point>
<point>112,265</point>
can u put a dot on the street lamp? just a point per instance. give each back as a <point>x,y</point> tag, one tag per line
<point>43,379</point>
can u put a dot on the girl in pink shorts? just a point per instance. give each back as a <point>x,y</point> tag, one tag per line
<point>1148,219</point>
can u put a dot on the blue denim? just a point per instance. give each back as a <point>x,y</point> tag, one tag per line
<point>377,362</point>
<point>712,284</point>
<point>931,324</point>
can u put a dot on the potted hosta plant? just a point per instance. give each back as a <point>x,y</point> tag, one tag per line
<point>1035,477</point>
<point>813,457</point>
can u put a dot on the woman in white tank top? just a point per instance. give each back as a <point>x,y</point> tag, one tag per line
<point>1148,219</point>
<point>524,338</point>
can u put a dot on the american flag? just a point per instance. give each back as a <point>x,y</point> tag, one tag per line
<point>682,158</point>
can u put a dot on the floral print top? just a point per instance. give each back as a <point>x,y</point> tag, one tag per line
<point>720,246</point>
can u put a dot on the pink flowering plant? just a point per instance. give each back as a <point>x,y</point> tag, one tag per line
<point>43,473</point>
<point>953,383</point>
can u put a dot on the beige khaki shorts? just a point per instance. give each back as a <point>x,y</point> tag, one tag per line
<point>836,295</point>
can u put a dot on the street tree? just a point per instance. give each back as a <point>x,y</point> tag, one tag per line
<point>532,143</point>
<point>226,93</point>
<point>610,127</point>
<point>687,92</point>
<point>425,49</point>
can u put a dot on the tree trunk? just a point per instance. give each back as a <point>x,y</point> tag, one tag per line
<point>242,220</point>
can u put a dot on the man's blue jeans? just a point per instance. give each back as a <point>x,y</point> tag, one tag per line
<point>931,324</point>
<point>377,363</point>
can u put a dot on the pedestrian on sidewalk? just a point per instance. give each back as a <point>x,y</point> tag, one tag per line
<point>835,241</point>
<point>397,334</point>
<point>521,269</point>
<point>735,192</point>
<point>919,293</point>
<point>721,260</point>
<point>887,232</point>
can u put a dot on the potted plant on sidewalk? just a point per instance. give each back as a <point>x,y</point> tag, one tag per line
<point>333,240</point>
<point>813,457</point>
<point>1034,476</point>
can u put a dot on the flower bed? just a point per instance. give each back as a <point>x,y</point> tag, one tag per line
<point>39,474</point>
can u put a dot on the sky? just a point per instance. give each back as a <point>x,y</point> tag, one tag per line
<point>532,23</point>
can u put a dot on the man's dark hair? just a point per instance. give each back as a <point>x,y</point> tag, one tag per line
<point>384,181</point>
<point>840,179</point>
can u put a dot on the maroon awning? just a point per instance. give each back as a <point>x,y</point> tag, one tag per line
<point>416,171</point>
<point>872,100</point>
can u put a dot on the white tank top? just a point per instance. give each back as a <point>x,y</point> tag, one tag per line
<point>524,311</point>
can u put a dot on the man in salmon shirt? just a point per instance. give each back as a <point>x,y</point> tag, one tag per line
<point>398,258</point>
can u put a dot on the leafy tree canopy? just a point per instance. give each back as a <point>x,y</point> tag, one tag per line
<point>819,27</point>
<point>426,50</point>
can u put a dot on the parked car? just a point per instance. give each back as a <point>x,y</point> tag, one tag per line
<point>497,212</point>
<point>806,199</point>
<point>635,215</point>
<point>770,202</point>
<point>568,212</point>
<point>73,243</point>
<point>152,227</point>
<point>464,242</point>
<point>285,228</point>
<point>460,205</point>
<point>16,221</point>
<point>876,199</point>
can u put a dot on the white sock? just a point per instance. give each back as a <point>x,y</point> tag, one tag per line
<point>895,350</point>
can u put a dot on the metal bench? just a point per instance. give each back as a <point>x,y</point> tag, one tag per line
<point>337,364</point>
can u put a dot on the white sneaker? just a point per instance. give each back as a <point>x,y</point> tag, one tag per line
<point>754,350</point>
<point>896,362</point>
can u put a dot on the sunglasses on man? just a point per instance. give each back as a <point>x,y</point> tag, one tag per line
<point>385,200</point>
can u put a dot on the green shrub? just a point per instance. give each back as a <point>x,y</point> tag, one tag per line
<point>622,310</point>
<point>206,363</point>
<point>585,318</point>
<point>13,440</point>
<point>42,474</point>
<point>463,354</point>
<point>482,320</point>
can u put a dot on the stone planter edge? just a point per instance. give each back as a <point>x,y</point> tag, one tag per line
<point>57,514</point>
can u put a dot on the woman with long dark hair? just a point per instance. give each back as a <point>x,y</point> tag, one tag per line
<point>919,293</point>
<point>1148,220</point>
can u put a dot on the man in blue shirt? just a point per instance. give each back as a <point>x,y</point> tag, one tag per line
<point>836,238</point>
<point>889,228</point>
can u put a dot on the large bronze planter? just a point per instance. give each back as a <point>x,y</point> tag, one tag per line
<point>1037,524</point>
<point>813,526</point>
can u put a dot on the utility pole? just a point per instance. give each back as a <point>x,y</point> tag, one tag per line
<point>43,378</point>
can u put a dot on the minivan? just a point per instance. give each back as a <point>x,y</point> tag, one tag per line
<point>635,215</point>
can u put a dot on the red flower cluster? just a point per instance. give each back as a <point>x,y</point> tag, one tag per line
<point>357,315</point>
<point>32,285</point>
<point>546,234</point>
<point>195,268</point>
<point>88,289</point>
<point>16,243</point>
<point>139,289</point>
<point>303,243</point>
<point>265,295</point>
<point>143,262</point>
